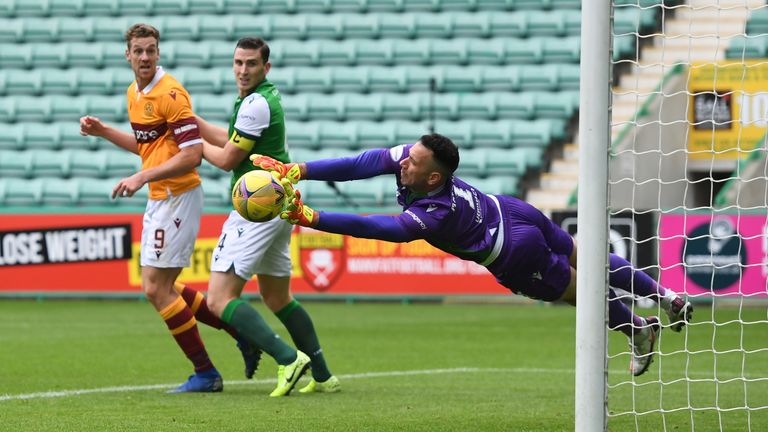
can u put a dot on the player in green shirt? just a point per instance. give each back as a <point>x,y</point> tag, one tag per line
<point>245,248</point>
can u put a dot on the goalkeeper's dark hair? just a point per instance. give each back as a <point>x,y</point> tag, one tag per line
<point>444,151</point>
<point>255,43</point>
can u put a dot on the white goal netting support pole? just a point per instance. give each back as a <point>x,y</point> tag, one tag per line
<point>592,254</point>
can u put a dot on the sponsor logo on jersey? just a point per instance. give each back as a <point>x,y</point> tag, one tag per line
<point>416,219</point>
<point>148,133</point>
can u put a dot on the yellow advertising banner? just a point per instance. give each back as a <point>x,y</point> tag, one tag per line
<point>728,108</point>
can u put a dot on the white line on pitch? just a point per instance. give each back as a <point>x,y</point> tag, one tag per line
<point>121,389</point>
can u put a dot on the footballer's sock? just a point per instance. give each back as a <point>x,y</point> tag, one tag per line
<point>196,301</point>
<point>252,327</point>
<point>620,318</point>
<point>623,275</point>
<point>183,326</point>
<point>299,325</point>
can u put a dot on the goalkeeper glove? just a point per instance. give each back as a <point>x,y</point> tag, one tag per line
<point>279,170</point>
<point>297,213</point>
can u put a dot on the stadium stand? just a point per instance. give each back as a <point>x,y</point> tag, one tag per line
<point>500,77</point>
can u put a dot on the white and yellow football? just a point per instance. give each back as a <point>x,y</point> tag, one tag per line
<point>257,196</point>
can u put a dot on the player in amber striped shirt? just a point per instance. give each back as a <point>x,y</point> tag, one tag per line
<point>166,136</point>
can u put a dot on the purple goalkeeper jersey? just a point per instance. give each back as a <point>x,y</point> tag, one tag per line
<point>511,238</point>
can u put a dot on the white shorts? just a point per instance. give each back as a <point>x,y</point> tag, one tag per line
<point>253,248</point>
<point>170,229</point>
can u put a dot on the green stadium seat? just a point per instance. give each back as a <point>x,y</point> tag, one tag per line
<point>122,163</point>
<point>502,162</point>
<point>757,23</point>
<point>87,163</point>
<point>108,108</point>
<point>208,171</point>
<point>413,106</point>
<point>503,51</point>
<point>13,56</point>
<point>100,7</point>
<point>94,81</point>
<point>340,135</point>
<point>8,110</point>
<point>494,79</point>
<point>561,50</point>
<point>12,30</point>
<point>111,29</point>
<point>747,47</point>
<point>375,134</point>
<point>406,132</point>
<point>212,27</point>
<point>355,79</point>
<point>389,79</point>
<point>632,20</point>
<point>560,105</point>
<point>365,192</point>
<point>22,192</point>
<point>472,163</point>
<point>57,191</point>
<point>59,81</point>
<point>197,7</point>
<point>68,134</point>
<point>170,7</point>
<point>533,156</point>
<point>182,28</point>
<point>470,79</point>
<point>379,52</point>
<point>73,29</point>
<point>624,47</point>
<point>303,135</point>
<point>213,107</point>
<point>136,202</point>
<point>492,106</point>
<point>42,136</point>
<point>63,108</point>
<point>93,191</point>
<point>248,25</point>
<point>479,25</point>
<point>200,81</point>
<point>12,137</point>
<point>32,8</point>
<point>499,185</point>
<point>319,194</point>
<point>398,26</point>
<point>217,192</point>
<point>360,26</point>
<point>33,109</point>
<point>87,55</point>
<point>50,163</point>
<point>15,164</point>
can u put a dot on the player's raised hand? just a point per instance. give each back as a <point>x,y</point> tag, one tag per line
<point>90,125</point>
<point>290,171</point>
<point>297,213</point>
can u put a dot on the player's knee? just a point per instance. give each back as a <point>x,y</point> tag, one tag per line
<point>276,300</point>
<point>217,302</point>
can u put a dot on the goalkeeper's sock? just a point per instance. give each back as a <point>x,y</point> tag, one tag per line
<point>623,275</point>
<point>620,318</point>
<point>299,325</point>
<point>196,301</point>
<point>252,327</point>
<point>183,326</point>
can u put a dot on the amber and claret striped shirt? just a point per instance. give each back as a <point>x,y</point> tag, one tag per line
<point>163,122</point>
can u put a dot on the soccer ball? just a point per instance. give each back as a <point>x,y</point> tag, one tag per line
<point>257,196</point>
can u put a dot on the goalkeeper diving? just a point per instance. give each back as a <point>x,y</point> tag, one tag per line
<point>517,243</point>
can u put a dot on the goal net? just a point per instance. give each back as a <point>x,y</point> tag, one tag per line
<point>687,164</point>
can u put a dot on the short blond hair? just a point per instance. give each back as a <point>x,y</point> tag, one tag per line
<point>141,30</point>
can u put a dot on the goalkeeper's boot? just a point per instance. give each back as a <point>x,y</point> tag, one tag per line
<point>679,311</point>
<point>288,375</point>
<point>642,344</point>
<point>331,385</point>
<point>201,382</point>
<point>251,357</point>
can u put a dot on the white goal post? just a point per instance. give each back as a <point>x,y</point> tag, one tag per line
<point>676,135</point>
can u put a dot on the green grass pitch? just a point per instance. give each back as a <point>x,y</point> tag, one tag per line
<point>104,365</point>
